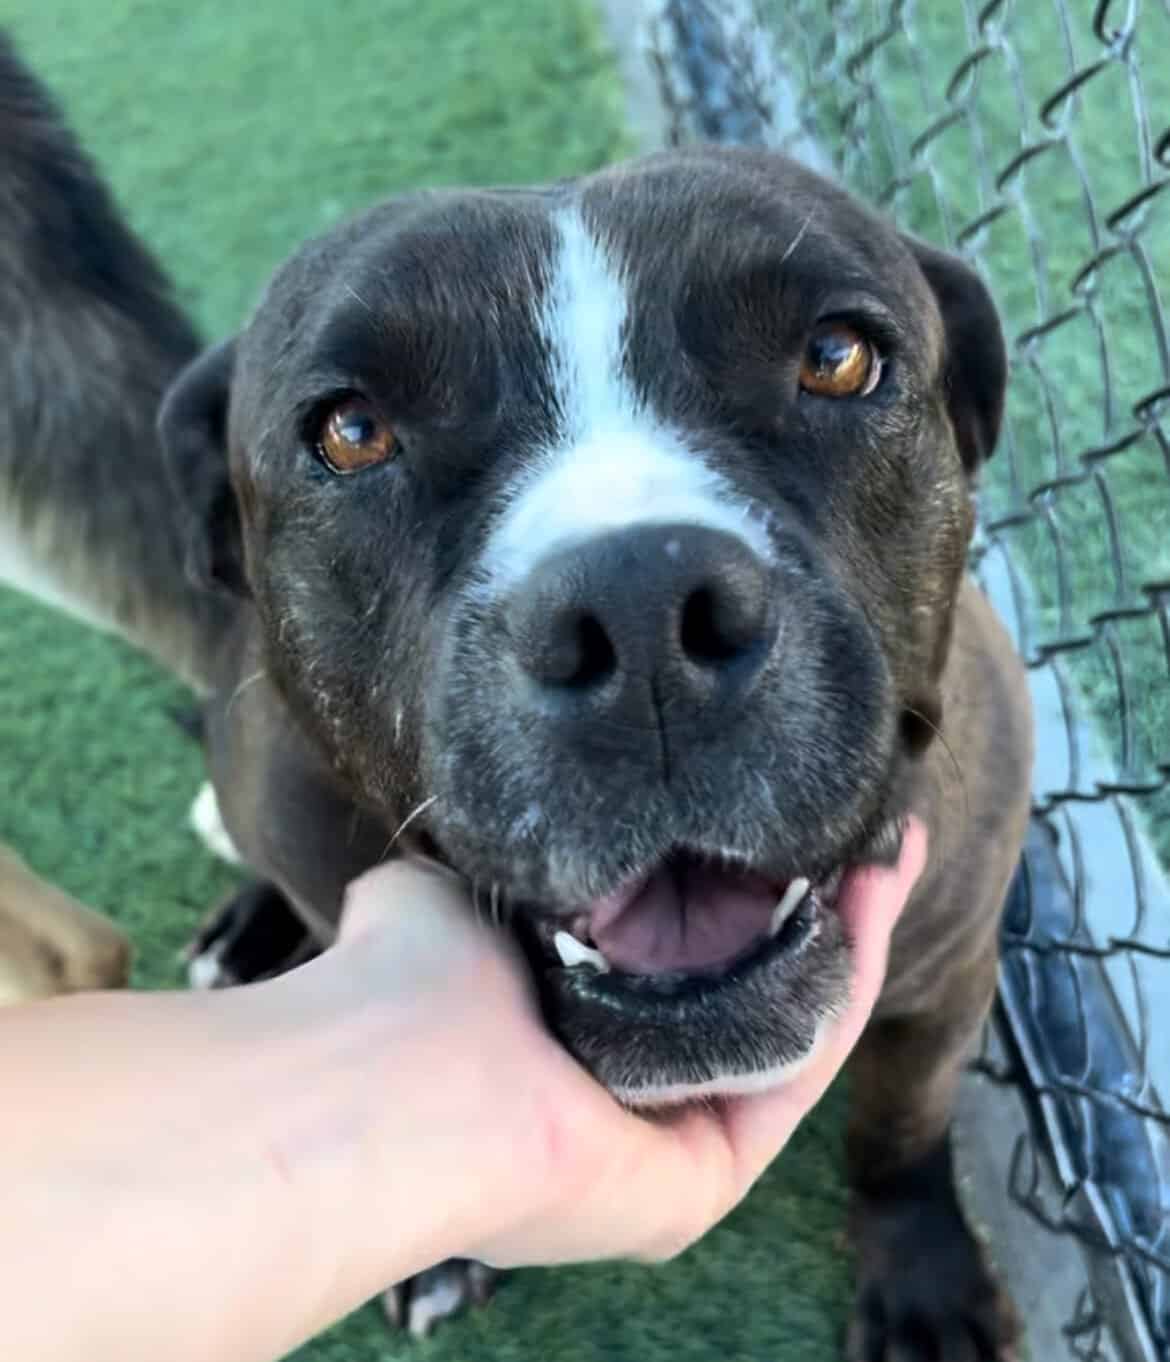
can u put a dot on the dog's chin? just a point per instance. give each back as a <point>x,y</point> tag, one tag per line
<point>699,977</point>
<point>667,1037</point>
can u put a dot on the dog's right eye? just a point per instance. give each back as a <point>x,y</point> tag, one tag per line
<point>353,436</point>
<point>839,362</point>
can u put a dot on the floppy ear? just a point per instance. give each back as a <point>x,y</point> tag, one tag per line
<point>976,356</point>
<point>192,425</point>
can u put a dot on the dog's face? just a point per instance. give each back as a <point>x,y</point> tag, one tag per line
<point>606,536</point>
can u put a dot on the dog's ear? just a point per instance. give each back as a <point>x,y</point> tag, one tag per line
<point>192,425</point>
<point>976,356</point>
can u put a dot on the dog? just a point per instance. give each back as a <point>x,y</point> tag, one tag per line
<point>90,338</point>
<point>606,540</point>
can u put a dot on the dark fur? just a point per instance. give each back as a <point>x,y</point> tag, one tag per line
<point>360,602</point>
<point>90,337</point>
<point>354,601</point>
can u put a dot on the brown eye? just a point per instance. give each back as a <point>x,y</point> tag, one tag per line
<point>839,362</point>
<point>354,437</point>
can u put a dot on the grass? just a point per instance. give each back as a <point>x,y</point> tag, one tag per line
<point>230,132</point>
<point>1075,387</point>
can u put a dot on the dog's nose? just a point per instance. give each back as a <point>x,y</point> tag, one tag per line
<point>673,619</point>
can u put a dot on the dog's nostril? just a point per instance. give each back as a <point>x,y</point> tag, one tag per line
<point>700,635</point>
<point>681,611</point>
<point>718,626</point>
<point>579,652</point>
<point>596,658</point>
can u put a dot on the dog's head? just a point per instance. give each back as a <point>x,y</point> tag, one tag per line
<point>607,537</point>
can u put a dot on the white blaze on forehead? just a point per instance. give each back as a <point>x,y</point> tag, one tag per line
<point>583,323</point>
<point>613,463</point>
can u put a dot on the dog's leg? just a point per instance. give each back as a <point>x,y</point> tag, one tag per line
<point>49,942</point>
<point>440,1293</point>
<point>925,1291</point>
<point>255,935</point>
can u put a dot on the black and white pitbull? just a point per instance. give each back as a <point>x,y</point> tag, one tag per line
<point>607,540</point>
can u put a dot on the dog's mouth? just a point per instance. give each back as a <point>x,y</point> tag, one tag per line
<point>702,974</point>
<point>690,922</point>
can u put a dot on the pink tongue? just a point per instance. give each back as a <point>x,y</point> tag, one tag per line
<point>687,919</point>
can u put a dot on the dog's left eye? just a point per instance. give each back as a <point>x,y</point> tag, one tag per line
<point>353,437</point>
<point>839,362</point>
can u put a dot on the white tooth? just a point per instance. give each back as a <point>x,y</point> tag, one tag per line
<point>574,953</point>
<point>788,905</point>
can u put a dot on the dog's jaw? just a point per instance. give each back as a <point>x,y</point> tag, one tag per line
<point>651,1095</point>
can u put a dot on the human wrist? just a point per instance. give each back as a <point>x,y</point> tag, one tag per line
<point>424,1128</point>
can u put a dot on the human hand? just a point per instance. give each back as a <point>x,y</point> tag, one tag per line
<point>543,1165</point>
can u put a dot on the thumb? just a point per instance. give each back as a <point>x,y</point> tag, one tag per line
<point>871,902</point>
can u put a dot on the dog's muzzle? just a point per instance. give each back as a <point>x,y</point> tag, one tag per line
<point>632,695</point>
<point>642,626</point>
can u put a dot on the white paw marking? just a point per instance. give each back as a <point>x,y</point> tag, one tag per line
<point>444,1293</point>
<point>206,971</point>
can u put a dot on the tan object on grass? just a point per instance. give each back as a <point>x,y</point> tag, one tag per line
<point>51,943</point>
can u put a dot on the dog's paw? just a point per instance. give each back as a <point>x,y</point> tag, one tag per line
<point>925,1292</point>
<point>254,935</point>
<point>419,1303</point>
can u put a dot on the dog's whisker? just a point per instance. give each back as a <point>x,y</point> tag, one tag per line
<point>797,239</point>
<point>955,763</point>
<point>246,684</point>
<point>357,297</point>
<point>415,813</point>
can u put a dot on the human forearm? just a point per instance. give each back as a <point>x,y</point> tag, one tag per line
<point>196,1172</point>
<point>216,1176</point>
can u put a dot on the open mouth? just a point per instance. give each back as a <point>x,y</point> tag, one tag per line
<point>693,923</point>
<point>701,976</point>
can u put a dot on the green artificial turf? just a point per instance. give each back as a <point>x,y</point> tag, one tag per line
<point>231,131</point>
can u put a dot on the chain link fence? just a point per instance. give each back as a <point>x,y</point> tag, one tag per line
<point>1034,139</point>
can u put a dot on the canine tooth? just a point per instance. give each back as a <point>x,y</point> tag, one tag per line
<point>793,896</point>
<point>574,953</point>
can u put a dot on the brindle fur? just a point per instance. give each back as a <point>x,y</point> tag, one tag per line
<point>90,337</point>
